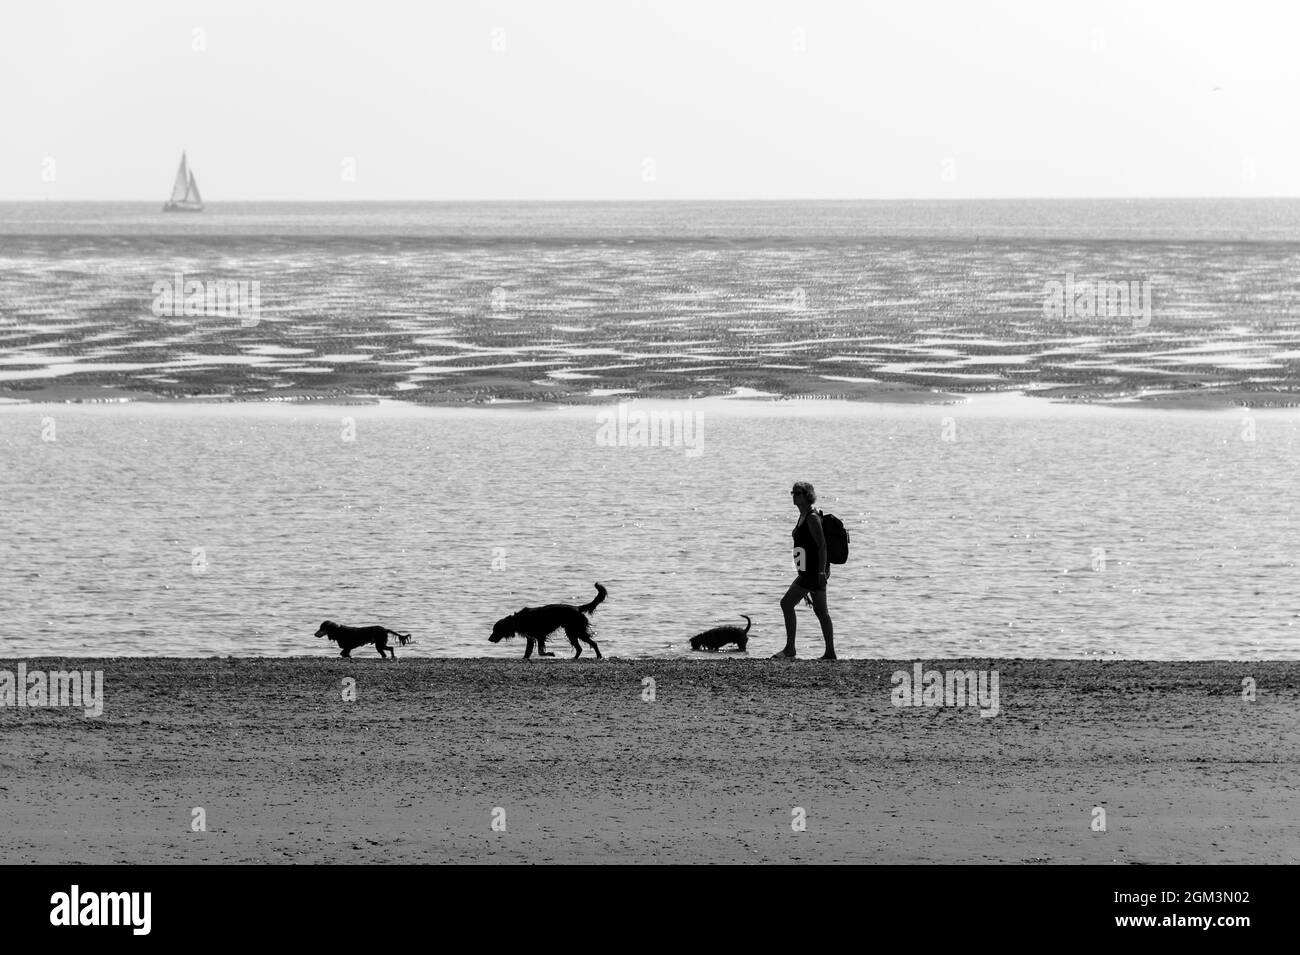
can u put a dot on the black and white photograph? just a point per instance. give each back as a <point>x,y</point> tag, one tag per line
<point>679,432</point>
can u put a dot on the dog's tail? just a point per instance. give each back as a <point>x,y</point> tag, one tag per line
<point>402,638</point>
<point>591,607</point>
<point>748,623</point>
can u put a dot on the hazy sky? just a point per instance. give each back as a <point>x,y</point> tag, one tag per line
<point>670,100</point>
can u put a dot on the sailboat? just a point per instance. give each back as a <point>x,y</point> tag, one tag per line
<point>185,192</point>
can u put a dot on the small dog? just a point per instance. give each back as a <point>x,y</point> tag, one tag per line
<point>538,623</point>
<point>719,637</point>
<point>349,638</point>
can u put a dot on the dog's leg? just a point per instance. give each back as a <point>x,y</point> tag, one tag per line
<point>541,648</point>
<point>581,632</point>
<point>345,653</point>
<point>574,633</point>
<point>528,650</point>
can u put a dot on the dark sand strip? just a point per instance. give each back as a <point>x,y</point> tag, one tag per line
<point>711,771</point>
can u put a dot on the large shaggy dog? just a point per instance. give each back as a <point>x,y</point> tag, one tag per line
<point>349,638</point>
<point>537,623</point>
<point>721,636</point>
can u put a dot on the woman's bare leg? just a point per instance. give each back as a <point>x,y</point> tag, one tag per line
<point>788,603</point>
<point>824,617</point>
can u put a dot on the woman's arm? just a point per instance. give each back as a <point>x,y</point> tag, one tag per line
<point>815,525</point>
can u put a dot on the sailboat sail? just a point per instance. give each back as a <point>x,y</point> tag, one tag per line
<point>185,191</point>
<point>182,182</point>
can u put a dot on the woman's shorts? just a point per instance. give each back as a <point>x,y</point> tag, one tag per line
<point>811,581</point>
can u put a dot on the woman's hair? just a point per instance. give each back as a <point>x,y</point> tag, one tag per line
<point>807,490</point>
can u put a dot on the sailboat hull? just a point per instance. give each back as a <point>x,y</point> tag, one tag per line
<point>183,206</point>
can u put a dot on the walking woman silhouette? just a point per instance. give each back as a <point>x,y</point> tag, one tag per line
<point>812,561</point>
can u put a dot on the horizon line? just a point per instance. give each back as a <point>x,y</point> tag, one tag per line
<point>1144,198</point>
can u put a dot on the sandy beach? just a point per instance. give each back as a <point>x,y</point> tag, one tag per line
<point>581,767</point>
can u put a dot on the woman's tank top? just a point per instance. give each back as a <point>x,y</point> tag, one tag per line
<point>803,537</point>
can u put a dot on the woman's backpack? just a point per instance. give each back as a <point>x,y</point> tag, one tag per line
<point>837,538</point>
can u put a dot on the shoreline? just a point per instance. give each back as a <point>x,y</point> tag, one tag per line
<point>584,768</point>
